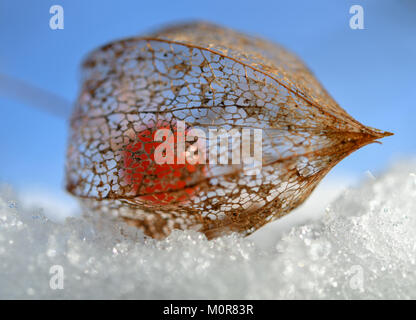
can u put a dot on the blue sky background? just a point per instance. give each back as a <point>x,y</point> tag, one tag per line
<point>371,72</point>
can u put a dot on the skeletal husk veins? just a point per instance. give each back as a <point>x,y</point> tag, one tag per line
<point>207,77</point>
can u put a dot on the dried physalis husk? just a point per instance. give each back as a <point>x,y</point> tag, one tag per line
<point>205,77</point>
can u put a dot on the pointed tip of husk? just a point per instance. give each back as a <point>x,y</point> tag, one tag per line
<point>386,134</point>
<point>378,134</point>
<point>373,135</point>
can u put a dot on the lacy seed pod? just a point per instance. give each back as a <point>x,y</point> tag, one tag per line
<point>205,77</point>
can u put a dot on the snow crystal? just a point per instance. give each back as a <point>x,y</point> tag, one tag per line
<point>364,246</point>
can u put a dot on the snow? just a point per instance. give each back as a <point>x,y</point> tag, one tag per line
<point>363,246</point>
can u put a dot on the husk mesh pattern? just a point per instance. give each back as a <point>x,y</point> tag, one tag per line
<point>209,77</point>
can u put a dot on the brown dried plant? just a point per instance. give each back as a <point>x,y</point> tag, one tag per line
<point>210,77</point>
